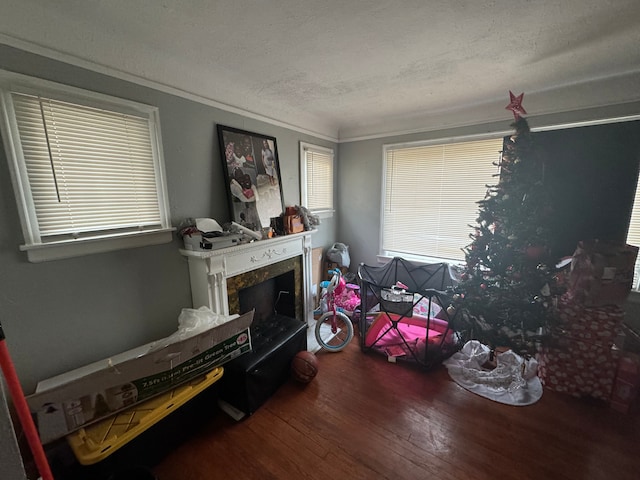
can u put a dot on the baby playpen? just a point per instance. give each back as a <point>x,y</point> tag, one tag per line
<point>405,311</point>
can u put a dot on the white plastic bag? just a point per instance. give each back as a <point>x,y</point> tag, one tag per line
<point>191,322</point>
<point>339,253</point>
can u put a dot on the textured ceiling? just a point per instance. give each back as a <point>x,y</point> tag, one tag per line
<point>346,69</point>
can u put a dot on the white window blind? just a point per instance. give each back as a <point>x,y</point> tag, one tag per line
<point>317,178</point>
<point>431,193</point>
<point>633,235</point>
<point>89,170</point>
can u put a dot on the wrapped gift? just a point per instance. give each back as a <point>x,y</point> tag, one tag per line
<point>627,384</point>
<point>579,369</point>
<point>602,272</point>
<point>599,325</point>
<point>582,360</point>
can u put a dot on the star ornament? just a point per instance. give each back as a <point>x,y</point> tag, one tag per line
<point>515,105</point>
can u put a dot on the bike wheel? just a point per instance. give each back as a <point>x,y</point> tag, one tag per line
<point>334,341</point>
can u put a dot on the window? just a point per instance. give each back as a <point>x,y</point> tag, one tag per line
<point>430,193</point>
<point>87,169</point>
<point>317,178</point>
<point>633,237</point>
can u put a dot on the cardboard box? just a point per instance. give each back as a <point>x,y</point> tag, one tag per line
<point>316,272</point>
<point>77,398</point>
<point>331,266</point>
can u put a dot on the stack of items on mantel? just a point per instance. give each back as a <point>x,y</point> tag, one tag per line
<point>585,357</point>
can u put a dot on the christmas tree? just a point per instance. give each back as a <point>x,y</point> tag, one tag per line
<point>507,287</point>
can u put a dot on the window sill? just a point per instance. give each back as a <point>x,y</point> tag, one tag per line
<point>75,248</point>
<point>323,213</point>
<point>387,256</point>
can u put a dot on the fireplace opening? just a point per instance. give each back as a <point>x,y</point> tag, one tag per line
<point>272,289</point>
<point>273,296</point>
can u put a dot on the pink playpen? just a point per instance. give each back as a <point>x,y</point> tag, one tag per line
<point>405,311</point>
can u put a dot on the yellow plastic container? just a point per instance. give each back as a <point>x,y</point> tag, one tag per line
<point>96,442</point>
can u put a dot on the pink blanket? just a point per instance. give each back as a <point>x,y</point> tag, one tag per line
<point>412,329</point>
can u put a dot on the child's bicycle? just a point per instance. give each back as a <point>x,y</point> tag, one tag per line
<point>334,329</point>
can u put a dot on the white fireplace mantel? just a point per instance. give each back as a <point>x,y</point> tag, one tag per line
<point>210,269</point>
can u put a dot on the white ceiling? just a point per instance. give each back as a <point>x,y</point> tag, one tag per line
<point>347,69</point>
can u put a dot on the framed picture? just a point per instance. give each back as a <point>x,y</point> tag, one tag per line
<point>253,176</point>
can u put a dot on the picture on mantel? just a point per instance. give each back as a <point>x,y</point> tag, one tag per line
<point>253,176</point>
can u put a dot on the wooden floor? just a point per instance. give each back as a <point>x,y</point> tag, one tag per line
<point>365,418</point>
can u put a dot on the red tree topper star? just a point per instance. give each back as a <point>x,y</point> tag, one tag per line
<point>515,105</point>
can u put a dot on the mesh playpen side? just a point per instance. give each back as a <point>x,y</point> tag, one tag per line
<point>404,311</point>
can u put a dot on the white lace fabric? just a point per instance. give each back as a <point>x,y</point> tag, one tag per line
<point>513,381</point>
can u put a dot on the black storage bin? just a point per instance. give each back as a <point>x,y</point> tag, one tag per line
<point>252,378</point>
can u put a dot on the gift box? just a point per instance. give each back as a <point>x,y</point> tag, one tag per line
<point>602,272</point>
<point>624,397</point>
<point>599,325</point>
<point>582,359</point>
<point>579,369</point>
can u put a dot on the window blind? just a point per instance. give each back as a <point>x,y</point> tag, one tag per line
<point>633,235</point>
<point>430,195</point>
<point>90,170</point>
<point>319,181</point>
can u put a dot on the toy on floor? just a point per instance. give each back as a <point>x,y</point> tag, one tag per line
<point>333,329</point>
<point>304,367</point>
<point>349,298</point>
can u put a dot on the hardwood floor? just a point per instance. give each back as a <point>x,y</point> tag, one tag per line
<point>365,418</point>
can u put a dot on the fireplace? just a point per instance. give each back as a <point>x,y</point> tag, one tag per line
<point>273,277</point>
<point>230,280</point>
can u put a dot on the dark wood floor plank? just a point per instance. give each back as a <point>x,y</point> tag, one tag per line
<point>365,418</point>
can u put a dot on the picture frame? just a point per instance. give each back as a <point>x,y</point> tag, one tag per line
<point>252,176</point>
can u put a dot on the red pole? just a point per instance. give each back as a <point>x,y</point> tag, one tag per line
<point>17,395</point>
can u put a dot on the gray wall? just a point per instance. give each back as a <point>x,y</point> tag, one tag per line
<point>63,314</point>
<point>12,467</point>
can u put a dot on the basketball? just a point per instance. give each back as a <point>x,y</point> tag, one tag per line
<point>304,366</point>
